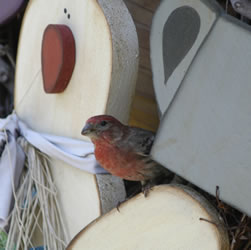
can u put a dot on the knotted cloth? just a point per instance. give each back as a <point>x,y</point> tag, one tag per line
<point>76,153</point>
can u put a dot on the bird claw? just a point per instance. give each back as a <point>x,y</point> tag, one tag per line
<point>118,205</point>
<point>146,188</point>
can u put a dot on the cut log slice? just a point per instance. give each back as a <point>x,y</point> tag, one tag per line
<point>169,218</point>
<point>103,81</point>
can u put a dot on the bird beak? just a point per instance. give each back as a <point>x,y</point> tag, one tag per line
<point>88,128</point>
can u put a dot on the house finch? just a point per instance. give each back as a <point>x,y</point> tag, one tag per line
<point>123,150</point>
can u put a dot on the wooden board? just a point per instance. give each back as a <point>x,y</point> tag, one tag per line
<point>103,81</point>
<point>169,218</point>
<point>142,13</point>
<point>205,132</point>
<point>173,21</point>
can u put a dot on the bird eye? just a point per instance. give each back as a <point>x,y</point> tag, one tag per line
<point>103,123</point>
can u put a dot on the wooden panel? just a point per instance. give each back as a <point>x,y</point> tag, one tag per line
<point>146,4</point>
<point>144,59</point>
<point>143,35</point>
<point>144,112</point>
<point>205,136</point>
<point>100,83</point>
<point>144,86</point>
<point>176,225</point>
<point>139,14</point>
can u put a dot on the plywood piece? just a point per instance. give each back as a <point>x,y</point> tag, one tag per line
<point>140,15</point>
<point>169,218</point>
<point>144,109</point>
<point>103,81</point>
<point>143,35</point>
<point>146,4</point>
<point>205,134</point>
<point>144,60</point>
<point>144,84</point>
<point>178,30</point>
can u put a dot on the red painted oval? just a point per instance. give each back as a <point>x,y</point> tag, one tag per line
<point>58,57</point>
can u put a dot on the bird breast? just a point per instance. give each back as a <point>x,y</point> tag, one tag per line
<point>118,162</point>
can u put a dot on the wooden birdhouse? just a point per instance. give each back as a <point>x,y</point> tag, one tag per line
<point>76,60</point>
<point>200,58</point>
<point>81,58</point>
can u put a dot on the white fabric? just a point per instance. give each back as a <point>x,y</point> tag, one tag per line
<point>77,153</point>
<point>11,166</point>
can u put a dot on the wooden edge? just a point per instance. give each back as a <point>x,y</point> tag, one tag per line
<point>189,192</point>
<point>210,209</point>
<point>18,45</point>
<point>111,191</point>
<point>116,15</point>
<point>125,56</point>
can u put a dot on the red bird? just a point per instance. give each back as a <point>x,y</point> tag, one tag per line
<point>122,150</point>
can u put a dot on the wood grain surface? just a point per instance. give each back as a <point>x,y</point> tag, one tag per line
<point>144,111</point>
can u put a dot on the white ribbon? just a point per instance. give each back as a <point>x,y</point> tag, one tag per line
<point>11,166</point>
<point>77,153</point>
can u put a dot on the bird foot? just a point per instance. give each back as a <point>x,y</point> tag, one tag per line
<point>120,203</point>
<point>146,188</point>
<point>126,199</point>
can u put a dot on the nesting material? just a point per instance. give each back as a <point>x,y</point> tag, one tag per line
<point>35,201</point>
<point>169,218</point>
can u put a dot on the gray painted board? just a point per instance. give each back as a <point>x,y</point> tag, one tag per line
<point>205,132</point>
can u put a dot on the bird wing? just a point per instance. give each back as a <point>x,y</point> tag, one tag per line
<point>140,140</point>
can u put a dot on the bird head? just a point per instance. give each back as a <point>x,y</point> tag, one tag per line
<point>102,126</point>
